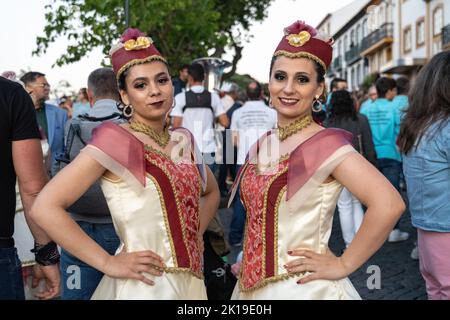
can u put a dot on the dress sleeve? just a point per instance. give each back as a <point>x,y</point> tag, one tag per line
<point>315,160</point>
<point>118,151</point>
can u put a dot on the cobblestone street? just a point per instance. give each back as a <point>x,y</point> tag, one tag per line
<point>400,275</point>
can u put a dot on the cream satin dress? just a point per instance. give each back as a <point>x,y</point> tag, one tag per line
<point>275,225</point>
<point>161,216</point>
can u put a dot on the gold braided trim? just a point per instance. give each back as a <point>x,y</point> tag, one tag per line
<point>266,194</point>
<point>294,127</point>
<point>166,219</point>
<point>301,54</point>
<point>272,165</point>
<point>162,139</point>
<point>134,62</point>
<point>152,149</point>
<point>177,201</point>
<point>180,270</point>
<point>277,205</point>
<point>266,281</point>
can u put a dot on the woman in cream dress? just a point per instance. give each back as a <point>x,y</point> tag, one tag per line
<point>291,181</point>
<point>160,195</point>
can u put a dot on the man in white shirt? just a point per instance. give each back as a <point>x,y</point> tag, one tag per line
<point>248,124</point>
<point>197,110</point>
<point>252,120</point>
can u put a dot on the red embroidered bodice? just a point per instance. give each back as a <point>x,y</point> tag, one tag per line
<point>260,193</point>
<point>181,189</point>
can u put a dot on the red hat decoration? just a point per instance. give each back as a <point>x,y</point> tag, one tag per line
<point>134,48</point>
<point>300,40</point>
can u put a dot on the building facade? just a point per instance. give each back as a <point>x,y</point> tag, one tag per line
<point>390,37</point>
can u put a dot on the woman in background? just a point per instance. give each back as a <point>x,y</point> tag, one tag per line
<point>343,115</point>
<point>424,140</point>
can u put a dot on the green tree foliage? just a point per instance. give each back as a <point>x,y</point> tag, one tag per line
<point>182,29</point>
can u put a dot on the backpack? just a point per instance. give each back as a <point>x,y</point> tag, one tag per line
<point>200,100</point>
<point>77,134</point>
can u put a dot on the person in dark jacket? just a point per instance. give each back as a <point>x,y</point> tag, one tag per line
<point>343,115</point>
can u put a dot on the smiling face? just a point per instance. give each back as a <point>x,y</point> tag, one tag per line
<point>149,90</point>
<point>293,86</point>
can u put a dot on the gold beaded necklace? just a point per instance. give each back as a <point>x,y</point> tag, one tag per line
<point>294,127</point>
<point>162,139</point>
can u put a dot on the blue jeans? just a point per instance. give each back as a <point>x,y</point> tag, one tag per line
<point>392,170</point>
<point>209,159</point>
<point>11,282</point>
<point>238,220</point>
<point>80,280</point>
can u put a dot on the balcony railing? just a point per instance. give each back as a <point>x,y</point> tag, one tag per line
<point>446,37</point>
<point>337,63</point>
<point>385,31</point>
<point>353,54</point>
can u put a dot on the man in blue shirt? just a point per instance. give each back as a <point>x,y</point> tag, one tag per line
<point>384,119</point>
<point>51,119</point>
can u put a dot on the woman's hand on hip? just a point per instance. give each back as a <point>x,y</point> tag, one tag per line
<point>132,265</point>
<point>324,266</point>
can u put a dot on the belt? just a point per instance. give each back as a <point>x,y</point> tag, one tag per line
<point>6,243</point>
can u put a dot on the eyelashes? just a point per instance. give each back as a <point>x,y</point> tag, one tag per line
<point>282,77</point>
<point>143,85</point>
<point>140,85</point>
<point>163,80</point>
<point>303,79</point>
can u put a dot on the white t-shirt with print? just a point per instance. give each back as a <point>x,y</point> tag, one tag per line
<point>251,121</point>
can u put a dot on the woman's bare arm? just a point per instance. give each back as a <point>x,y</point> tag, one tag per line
<point>384,207</point>
<point>49,213</point>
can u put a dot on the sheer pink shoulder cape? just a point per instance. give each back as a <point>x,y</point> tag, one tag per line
<point>324,150</point>
<point>122,153</point>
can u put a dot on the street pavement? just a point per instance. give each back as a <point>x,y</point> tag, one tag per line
<point>400,277</point>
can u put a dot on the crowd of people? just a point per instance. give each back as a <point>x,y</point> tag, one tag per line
<point>127,194</point>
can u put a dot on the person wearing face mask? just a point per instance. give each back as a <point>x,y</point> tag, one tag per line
<point>290,183</point>
<point>160,194</point>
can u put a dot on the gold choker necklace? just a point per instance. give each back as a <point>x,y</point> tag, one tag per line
<point>162,139</point>
<point>294,127</point>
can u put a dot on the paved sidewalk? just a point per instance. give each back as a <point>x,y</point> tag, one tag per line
<point>400,275</point>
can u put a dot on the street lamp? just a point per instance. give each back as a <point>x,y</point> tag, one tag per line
<point>127,13</point>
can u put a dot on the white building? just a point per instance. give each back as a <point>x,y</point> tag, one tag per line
<point>347,26</point>
<point>421,29</point>
<point>393,37</point>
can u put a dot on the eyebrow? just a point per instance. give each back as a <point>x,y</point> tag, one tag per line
<point>301,73</point>
<point>146,78</point>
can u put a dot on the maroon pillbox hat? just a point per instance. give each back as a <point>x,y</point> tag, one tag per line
<point>302,40</point>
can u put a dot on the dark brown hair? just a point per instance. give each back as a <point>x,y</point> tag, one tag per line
<point>429,102</point>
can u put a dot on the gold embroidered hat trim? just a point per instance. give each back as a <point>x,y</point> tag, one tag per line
<point>300,54</point>
<point>134,62</point>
